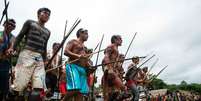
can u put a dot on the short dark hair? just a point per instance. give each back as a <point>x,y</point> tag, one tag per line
<point>55,44</point>
<point>145,68</point>
<point>9,21</point>
<point>135,58</point>
<point>43,9</point>
<point>114,38</point>
<point>81,30</point>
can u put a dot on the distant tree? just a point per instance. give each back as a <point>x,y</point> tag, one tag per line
<point>157,84</point>
<point>172,87</point>
<point>194,88</point>
<point>183,85</point>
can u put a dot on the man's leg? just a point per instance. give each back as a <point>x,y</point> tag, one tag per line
<point>4,78</point>
<point>4,84</point>
<point>135,92</point>
<point>118,83</point>
<point>71,96</point>
<point>23,70</point>
<point>35,95</point>
<point>38,85</point>
<point>51,81</point>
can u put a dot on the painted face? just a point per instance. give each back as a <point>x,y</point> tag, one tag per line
<point>121,57</point>
<point>145,70</point>
<point>10,26</point>
<point>136,61</point>
<point>56,47</point>
<point>119,41</point>
<point>44,16</point>
<point>84,35</point>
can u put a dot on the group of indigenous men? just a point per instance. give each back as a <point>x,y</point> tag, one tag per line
<point>31,78</point>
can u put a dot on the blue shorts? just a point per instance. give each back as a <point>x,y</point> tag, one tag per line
<point>76,78</point>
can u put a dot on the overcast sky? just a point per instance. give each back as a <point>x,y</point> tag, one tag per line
<point>168,28</point>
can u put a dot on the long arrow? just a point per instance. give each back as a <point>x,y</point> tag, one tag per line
<point>114,62</point>
<point>152,66</point>
<point>146,61</point>
<point>63,47</point>
<point>73,61</point>
<point>127,49</point>
<point>151,79</point>
<point>161,71</point>
<point>130,44</point>
<point>95,49</point>
<point>63,41</point>
<point>96,64</point>
<point>60,60</point>
<point>5,11</point>
<point>138,68</point>
<point>96,46</point>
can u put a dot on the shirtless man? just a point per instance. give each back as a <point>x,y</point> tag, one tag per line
<point>145,81</point>
<point>133,78</point>
<point>120,66</point>
<point>51,77</point>
<point>76,72</point>
<point>111,79</point>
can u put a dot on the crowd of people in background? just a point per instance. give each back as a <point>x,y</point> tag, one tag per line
<point>174,96</point>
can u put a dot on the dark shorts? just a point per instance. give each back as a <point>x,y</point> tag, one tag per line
<point>4,76</point>
<point>51,81</point>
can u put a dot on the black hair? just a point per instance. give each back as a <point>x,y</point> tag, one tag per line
<point>135,58</point>
<point>9,21</point>
<point>114,38</point>
<point>78,32</point>
<point>43,9</point>
<point>81,30</point>
<point>55,44</point>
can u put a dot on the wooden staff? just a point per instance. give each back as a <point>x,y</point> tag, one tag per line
<point>60,60</point>
<point>73,61</point>
<point>152,66</point>
<point>95,71</point>
<point>130,44</point>
<point>147,60</point>
<point>115,62</point>
<point>94,49</point>
<point>155,76</point>
<point>96,46</point>
<point>63,41</point>
<point>5,11</point>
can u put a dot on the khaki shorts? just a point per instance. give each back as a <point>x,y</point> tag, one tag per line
<point>29,66</point>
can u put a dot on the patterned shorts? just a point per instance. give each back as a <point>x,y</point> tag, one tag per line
<point>30,67</point>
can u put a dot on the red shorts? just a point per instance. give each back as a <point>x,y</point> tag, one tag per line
<point>130,82</point>
<point>62,87</point>
<point>90,80</point>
